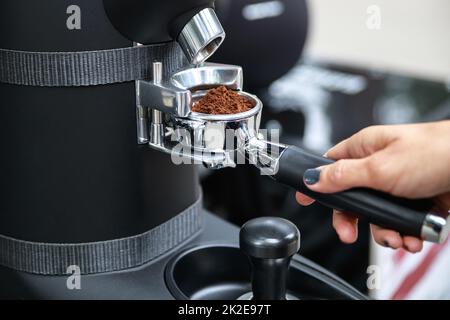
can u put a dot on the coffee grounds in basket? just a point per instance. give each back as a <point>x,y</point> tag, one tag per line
<point>221,100</point>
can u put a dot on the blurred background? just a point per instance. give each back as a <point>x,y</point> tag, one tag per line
<point>324,70</point>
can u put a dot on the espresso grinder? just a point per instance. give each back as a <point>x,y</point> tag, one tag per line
<point>99,193</point>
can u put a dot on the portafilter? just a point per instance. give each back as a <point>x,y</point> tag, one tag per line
<point>220,141</point>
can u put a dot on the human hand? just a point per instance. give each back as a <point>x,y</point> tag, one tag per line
<point>410,161</point>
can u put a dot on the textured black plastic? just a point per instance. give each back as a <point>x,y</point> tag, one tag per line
<point>226,273</point>
<point>403,215</point>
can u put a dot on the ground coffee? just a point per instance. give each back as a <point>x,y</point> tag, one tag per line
<point>221,100</point>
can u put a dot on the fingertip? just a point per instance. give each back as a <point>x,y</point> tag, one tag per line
<point>311,177</point>
<point>347,233</point>
<point>412,244</point>
<point>395,241</point>
<point>346,227</point>
<point>332,152</point>
<point>303,199</point>
<point>387,238</point>
<point>338,176</point>
<point>317,179</point>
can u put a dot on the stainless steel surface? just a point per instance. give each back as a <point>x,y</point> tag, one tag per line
<point>435,228</point>
<point>209,75</point>
<point>175,129</point>
<point>173,96</point>
<point>142,119</point>
<point>142,124</point>
<point>201,36</point>
<point>265,155</point>
<point>164,96</point>
<point>223,132</point>
<point>157,128</point>
<point>233,138</point>
<point>157,72</point>
<point>209,139</point>
<point>217,141</point>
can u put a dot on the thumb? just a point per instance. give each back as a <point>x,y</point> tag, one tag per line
<point>341,175</point>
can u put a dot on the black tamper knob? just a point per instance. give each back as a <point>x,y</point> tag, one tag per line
<point>270,244</point>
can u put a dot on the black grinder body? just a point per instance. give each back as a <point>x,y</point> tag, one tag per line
<point>71,168</point>
<point>153,21</point>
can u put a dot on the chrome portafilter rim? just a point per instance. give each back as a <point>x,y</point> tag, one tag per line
<point>221,133</point>
<point>219,140</point>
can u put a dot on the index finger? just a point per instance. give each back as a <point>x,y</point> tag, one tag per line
<point>362,144</point>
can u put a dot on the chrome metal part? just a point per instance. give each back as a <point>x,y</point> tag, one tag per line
<point>201,36</point>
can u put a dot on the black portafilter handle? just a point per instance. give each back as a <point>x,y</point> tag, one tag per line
<point>270,244</point>
<point>409,217</point>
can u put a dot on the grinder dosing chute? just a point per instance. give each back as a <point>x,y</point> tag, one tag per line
<point>218,140</point>
<point>201,36</point>
<point>192,23</point>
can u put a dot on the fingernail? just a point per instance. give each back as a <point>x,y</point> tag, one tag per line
<point>311,176</point>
